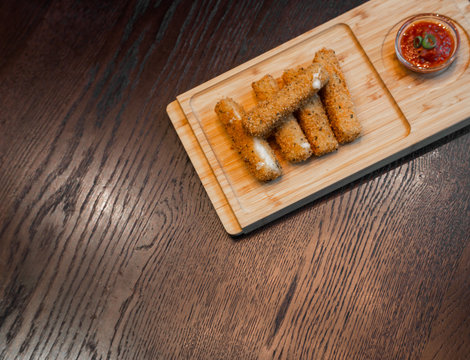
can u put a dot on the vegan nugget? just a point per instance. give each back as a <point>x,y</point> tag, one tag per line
<point>337,99</point>
<point>256,152</point>
<point>294,146</point>
<point>268,114</point>
<point>313,120</point>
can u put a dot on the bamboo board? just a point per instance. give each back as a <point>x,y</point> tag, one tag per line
<point>399,111</point>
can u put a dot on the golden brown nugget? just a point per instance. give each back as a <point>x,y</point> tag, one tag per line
<point>268,114</point>
<point>313,121</point>
<point>294,146</point>
<point>337,99</point>
<point>256,152</point>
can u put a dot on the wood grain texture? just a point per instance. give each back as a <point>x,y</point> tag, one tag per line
<point>449,337</point>
<point>387,132</point>
<point>111,249</point>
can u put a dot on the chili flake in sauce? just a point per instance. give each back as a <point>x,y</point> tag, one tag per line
<point>419,55</point>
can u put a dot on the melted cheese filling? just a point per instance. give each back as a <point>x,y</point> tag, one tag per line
<point>316,83</point>
<point>264,155</point>
<point>236,114</point>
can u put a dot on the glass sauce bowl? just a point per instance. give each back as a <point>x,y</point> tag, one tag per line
<point>427,43</point>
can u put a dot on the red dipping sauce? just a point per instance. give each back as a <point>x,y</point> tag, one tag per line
<point>427,58</point>
<point>427,43</point>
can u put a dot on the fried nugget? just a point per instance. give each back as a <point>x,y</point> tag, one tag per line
<point>337,99</point>
<point>268,114</point>
<point>294,146</point>
<point>313,120</point>
<point>256,152</point>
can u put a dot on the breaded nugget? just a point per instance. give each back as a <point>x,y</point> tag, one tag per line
<point>294,146</point>
<point>256,152</point>
<point>337,99</point>
<point>268,114</point>
<point>313,120</point>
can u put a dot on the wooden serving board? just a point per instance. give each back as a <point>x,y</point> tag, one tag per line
<point>400,111</point>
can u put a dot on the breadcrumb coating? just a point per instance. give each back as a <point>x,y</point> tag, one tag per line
<point>255,151</point>
<point>337,99</point>
<point>289,136</point>
<point>269,114</point>
<point>313,120</point>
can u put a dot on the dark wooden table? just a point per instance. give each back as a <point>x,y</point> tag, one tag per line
<point>110,247</point>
